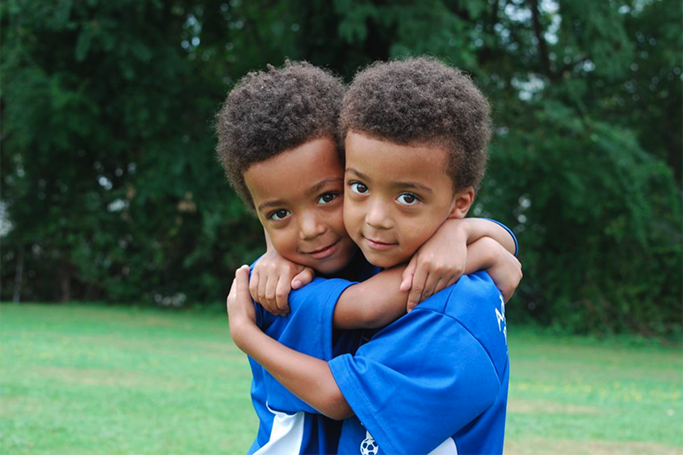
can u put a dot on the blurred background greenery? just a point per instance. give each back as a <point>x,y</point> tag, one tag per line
<point>110,190</point>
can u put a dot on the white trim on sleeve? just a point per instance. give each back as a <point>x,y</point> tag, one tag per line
<point>446,448</point>
<point>286,436</point>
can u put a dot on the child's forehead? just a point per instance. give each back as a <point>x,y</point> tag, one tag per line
<point>411,158</point>
<point>295,173</point>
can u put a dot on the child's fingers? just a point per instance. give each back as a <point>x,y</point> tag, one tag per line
<point>451,281</point>
<point>242,282</point>
<point>518,278</point>
<point>430,286</point>
<point>419,279</point>
<point>271,286</point>
<point>240,304</point>
<point>411,306</point>
<point>282,295</point>
<point>407,277</point>
<point>254,284</point>
<point>303,278</point>
<point>233,288</point>
<point>263,282</point>
<point>231,294</point>
<point>440,284</point>
<point>445,282</point>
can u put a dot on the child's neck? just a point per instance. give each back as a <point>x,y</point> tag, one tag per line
<point>356,266</point>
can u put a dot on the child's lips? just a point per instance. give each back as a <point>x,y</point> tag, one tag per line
<point>324,252</point>
<point>379,246</point>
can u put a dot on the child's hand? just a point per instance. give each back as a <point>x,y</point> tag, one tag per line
<point>273,277</point>
<point>439,263</point>
<point>241,312</point>
<point>505,269</point>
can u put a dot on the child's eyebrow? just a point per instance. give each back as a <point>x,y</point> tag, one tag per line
<point>321,184</point>
<point>414,185</point>
<point>358,173</point>
<point>275,203</point>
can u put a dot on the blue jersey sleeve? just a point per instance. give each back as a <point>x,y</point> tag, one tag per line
<point>512,234</point>
<point>425,377</point>
<point>308,328</point>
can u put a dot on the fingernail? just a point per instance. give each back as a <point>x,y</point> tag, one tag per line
<point>296,284</point>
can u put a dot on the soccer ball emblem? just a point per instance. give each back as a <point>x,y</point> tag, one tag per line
<point>369,446</point>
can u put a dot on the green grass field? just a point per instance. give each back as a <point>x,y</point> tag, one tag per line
<point>100,380</point>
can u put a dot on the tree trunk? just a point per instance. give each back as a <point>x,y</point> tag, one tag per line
<point>65,281</point>
<point>18,275</point>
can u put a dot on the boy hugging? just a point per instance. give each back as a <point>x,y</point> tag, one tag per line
<point>381,176</point>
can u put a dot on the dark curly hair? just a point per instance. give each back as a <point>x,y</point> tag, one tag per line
<point>422,100</point>
<point>269,112</point>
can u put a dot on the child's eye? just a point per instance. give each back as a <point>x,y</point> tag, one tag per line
<point>278,215</point>
<point>408,199</point>
<point>327,198</point>
<point>358,188</point>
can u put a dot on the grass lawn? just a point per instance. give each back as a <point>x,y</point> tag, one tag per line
<point>100,380</point>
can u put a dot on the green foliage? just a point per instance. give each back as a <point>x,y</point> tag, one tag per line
<point>113,193</point>
<point>596,217</point>
<point>113,190</point>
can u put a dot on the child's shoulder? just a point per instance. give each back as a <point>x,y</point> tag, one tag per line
<point>466,297</point>
<point>475,303</point>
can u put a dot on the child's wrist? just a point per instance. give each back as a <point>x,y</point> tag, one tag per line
<point>494,251</point>
<point>491,252</point>
<point>241,329</point>
<point>461,229</point>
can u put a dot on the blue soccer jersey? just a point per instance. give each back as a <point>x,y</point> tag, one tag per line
<point>287,425</point>
<point>433,382</point>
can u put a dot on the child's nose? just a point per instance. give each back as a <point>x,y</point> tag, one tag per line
<point>377,215</point>
<point>311,227</point>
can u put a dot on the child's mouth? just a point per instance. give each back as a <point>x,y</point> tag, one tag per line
<point>325,252</point>
<point>377,245</point>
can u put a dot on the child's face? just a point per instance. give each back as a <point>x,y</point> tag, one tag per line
<point>396,197</point>
<point>298,197</point>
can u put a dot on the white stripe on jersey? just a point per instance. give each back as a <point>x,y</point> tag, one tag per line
<point>286,435</point>
<point>446,448</point>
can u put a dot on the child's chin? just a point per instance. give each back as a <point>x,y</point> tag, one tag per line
<point>331,267</point>
<point>384,261</point>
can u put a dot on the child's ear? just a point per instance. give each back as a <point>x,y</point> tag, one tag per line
<point>463,200</point>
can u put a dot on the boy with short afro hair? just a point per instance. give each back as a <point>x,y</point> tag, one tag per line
<point>267,112</point>
<point>421,100</point>
<point>291,113</point>
<point>436,380</point>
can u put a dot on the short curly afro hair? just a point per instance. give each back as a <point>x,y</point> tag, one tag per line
<point>270,112</point>
<point>422,100</point>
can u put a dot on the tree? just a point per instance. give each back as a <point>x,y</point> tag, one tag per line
<point>113,192</point>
